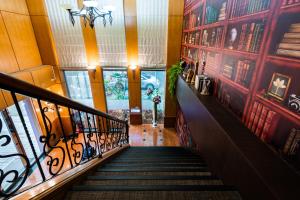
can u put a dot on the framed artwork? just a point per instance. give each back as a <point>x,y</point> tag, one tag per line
<point>279,86</point>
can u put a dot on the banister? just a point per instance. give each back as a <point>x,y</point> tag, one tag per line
<point>10,83</point>
<point>85,136</point>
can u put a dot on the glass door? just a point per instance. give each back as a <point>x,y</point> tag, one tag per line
<point>153,80</point>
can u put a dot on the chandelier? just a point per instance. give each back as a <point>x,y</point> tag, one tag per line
<point>89,12</point>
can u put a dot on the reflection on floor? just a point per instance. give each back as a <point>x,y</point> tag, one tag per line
<point>146,135</point>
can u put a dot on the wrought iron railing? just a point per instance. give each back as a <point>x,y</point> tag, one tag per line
<point>79,135</point>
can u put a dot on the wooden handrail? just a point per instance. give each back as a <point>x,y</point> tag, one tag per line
<point>18,86</point>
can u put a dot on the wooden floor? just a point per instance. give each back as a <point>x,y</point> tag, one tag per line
<point>146,135</point>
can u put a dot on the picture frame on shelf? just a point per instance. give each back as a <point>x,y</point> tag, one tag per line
<point>279,86</point>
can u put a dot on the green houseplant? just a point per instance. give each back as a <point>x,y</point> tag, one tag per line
<point>173,73</point>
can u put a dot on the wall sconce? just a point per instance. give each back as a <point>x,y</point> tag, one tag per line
<point>53,77</point>
<point>92,68</point>
<point>133,67</point>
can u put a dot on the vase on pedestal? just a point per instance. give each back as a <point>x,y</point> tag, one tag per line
<point>154,113</point>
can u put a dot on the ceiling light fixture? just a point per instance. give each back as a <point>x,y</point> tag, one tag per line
<point>89,12</point>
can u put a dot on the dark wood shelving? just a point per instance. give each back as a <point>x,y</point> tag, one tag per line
<point>253,16</point>
<point>293,8</point>
<point>284,61</point>
<point>263,60</point>
<point>241,88</point>
<point>248,55</point>
<point>214,25</point>
<point>191,46</point>
<point>280,109</point>
<point>188,59</point>
<point>218,50</point>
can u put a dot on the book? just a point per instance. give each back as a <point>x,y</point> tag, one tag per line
<point>289,46</point>
<point>256,118</point>
<point>289,142</point>
<point>291,41</point>
<point>252,115</point>
<point>249,37</point>
<point>269,126</point>
<point>292,35</point>
<point>261,121</point>
<point>291,53</point>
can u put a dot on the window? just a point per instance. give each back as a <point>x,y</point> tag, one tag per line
<point>116,92</point>
<point>155,80</point>
<point>79,89</point>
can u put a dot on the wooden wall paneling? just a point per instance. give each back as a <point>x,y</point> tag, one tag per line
<point>25,76</point>
<point>45,40</point>
<point>175,20</point>
<point>37,7</point>
<point>2,101</point>
<point>134,80</point>
<point>15,6</point>
<point>43,77</point>
<point>23,40</point>
<point>92,54</point>
<point>8,62</point>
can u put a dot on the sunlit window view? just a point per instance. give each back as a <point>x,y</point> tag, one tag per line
<point>79,88</point>
<point>116,92</point>
<point>155,81</point>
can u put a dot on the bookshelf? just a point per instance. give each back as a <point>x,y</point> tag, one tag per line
<point>261,31</point>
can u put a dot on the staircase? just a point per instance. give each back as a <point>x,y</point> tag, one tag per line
<point>153,173</point>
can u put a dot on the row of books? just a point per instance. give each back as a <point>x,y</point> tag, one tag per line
<point>292,143</point>
<point>190,53</point>
<point>250,37</point>
<point>212,60</point>
<point>196,17</point>
<point>186,21</point>
<point>222,13</point>
<point>228,71</point>
<point>262,121</point>
<point>244,72</point>
<point>192,38</point>
<point>212,37</point>
<point>245,7</point>
<point>289,2</point>
<point>290,44</point>
<point>239,72</point>
<point>215,13</point>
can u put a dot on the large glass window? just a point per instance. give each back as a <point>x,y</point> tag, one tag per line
<point>116,92</point>
<point>79,88</point>
<point>154,80</point>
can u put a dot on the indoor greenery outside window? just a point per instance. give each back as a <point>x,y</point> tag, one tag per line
<point>116,92</point>
<point>79,89</point>
<point>154,80</point>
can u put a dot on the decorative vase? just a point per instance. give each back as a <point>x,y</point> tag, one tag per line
<point>154,113</point>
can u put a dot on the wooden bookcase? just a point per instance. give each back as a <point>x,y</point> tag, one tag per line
<point>276,19</point>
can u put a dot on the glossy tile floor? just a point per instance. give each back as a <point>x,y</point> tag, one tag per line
<point>146,135</point>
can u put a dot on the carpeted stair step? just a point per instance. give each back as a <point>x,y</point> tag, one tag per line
<point>207,173</point>
<point>118,165</point>
<point>150,195</point>
<point>152,188</point>
<point>153,169</point>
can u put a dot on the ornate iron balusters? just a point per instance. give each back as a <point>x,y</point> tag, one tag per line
<point>97,136</point>
<point>92,148</point>
<point>77,154</point>
<point>48,147</point>
<point>12,177</point>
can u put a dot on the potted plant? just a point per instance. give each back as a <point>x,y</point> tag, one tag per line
<point>173,73</point>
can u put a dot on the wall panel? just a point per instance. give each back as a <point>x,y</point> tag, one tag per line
<point>8,62</point>
<point>15,6</point>
<point>23,42</point>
